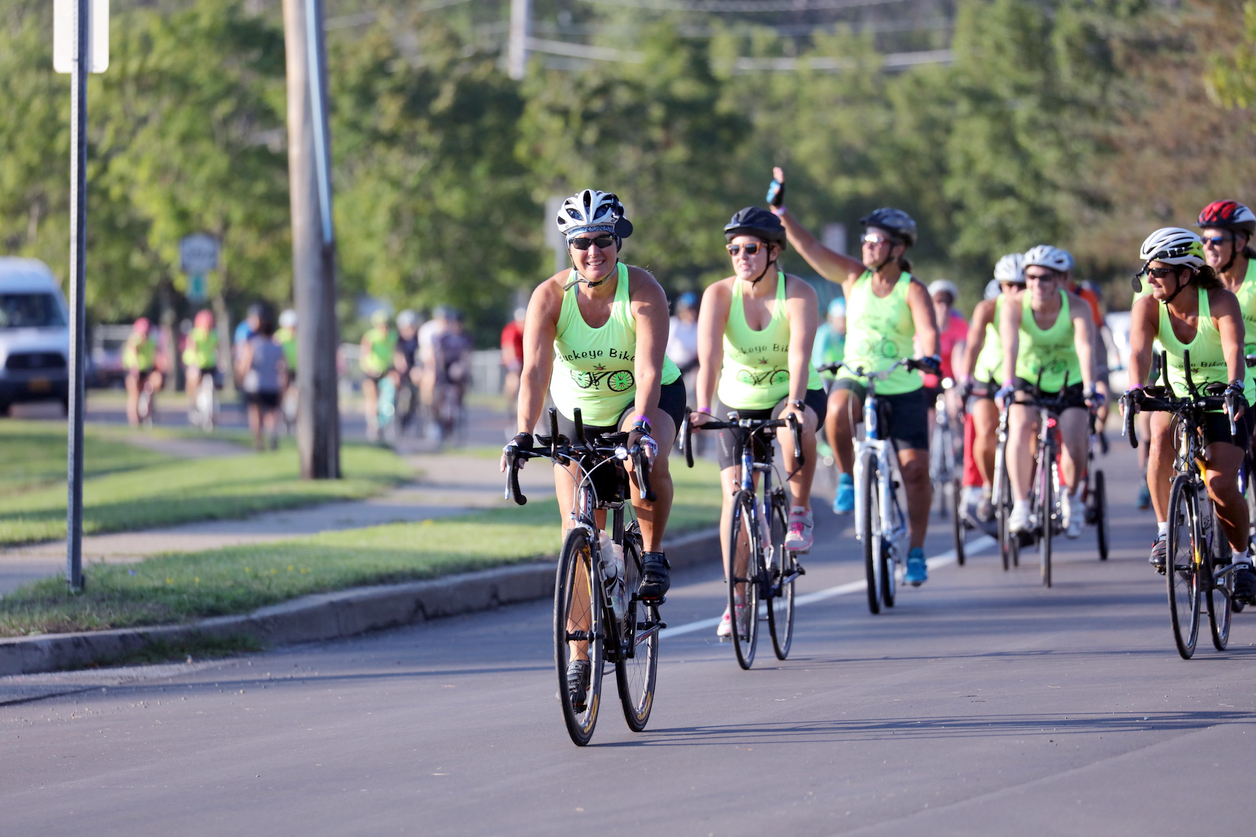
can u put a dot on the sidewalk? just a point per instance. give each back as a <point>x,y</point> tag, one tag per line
<point>446,485</point>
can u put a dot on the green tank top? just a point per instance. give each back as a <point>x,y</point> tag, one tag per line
<point>379,358</point>
<point>879,331</point>
<point>201,351</point>
<point>1247,304</point>
<point>1207,356</point>
<point>989,363</point>
<point>139,353</point>
<point>1051,351</point>
<point>594,368</point>
<point>755,375</point>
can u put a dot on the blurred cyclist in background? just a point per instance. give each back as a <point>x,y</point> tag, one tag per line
<point>830,344</point>
<point>952,335</point>
<point>286,337</point>
<point>409,369</point>
<point>429,333</point>
<point>512,359</point>
<point>376,360</point>
<point>143,365</point>
<point>452,357</point>
<point>200,354</point>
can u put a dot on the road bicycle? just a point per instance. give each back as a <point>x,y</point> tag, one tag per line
<point>946,467</point>
<point>598,616</point>
<point>1001,498</point>
<point>1198,566</point>
<point>1096,489</point>
<point>757,566</point>
<point>880,523</point>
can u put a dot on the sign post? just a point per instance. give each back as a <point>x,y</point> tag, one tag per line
<point>80,45</point>
<point>198,255</point>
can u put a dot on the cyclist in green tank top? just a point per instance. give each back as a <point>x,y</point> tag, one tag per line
<point>1189,309</point>
<point>755,334</point>
<point>885,308</point>
<point>596,335</point>
<point>983,370</point>
<point>1048,341</point>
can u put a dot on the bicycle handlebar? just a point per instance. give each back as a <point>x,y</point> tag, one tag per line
<point>859,372</point>
<point>751,425</point>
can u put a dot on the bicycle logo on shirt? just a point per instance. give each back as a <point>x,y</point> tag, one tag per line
<point>617,380</point>
<point>771,377</point>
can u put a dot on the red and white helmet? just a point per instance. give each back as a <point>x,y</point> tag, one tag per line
<point>1228,215</point>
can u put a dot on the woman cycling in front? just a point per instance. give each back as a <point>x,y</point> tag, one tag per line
<point>1047,338</point>
<point>885,308</point>
<point>596,336</point>
<point>755,339</point>
<point>983,370</point>
<point>1188,309</point>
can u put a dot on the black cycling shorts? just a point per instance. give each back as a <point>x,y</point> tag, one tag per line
<point>671,401</point>
<point>906,412</point>
<point>984,390</point>
<point>727,439</point>
<point>1074,394</point>
<point>1216,428</point>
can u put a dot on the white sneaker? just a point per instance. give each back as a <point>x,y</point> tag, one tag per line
<point>1074,516</point>
<point>725,629</point>
<point>1018,520</point>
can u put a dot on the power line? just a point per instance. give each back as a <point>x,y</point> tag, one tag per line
<point>741,6</point>
<point>365,18</point>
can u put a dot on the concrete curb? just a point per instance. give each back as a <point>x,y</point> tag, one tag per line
<point>329,615</point>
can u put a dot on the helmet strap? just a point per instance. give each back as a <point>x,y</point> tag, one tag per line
<point>580,276</point>
<point>1234,251</point>
<point>766,268</point>
<point>1181,286</point>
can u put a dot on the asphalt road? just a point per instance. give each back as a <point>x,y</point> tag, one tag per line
<point>980,704</point>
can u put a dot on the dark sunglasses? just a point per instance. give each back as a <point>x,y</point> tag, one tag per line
<point>1041,277</point>
<point>752,249</point>
<point>601,242</point>
<point>1161,272</point>
<point>1215,240</point>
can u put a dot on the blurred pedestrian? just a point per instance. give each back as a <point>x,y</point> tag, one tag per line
<point>263,373</point>
<point>512,358</point>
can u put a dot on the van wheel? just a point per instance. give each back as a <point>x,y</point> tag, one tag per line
<point>5,408</point>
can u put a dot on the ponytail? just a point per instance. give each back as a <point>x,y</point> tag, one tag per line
<point>904,264</point>
<point>1207,279</point>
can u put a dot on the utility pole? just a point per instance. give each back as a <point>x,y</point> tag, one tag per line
<point>313,240</point>
<point>520,12</point>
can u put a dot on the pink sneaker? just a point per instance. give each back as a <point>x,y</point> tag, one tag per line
<point>800,537</point>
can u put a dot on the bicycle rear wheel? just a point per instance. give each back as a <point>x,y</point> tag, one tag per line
<point>780,581</point>
<point>957,522</point>
<point>1046,511</point>
<point>577,624</point>
<point>1009,541</point>
<point>636,672</point>
<point>1181,572</point>
<point>744,525</point>
<point>870,527</point>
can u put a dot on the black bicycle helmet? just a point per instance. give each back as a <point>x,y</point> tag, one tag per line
<point>891,220</point>
<point>757,222</point>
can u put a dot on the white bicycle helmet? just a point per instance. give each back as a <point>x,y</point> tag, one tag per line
<point>1068,257</point>
<point>1173,245</point>
<point>593,211</point>
<point>407,319</point>
<point>938,286</point>
<point>288,319</point>
<point>1010,268</point>
<point>1052,258</point>
<point>993,289</point>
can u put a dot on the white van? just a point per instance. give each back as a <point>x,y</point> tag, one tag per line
<point>34,334</point>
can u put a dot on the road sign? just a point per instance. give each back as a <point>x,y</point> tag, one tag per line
<point>198,253</point>
<point>64,26</point>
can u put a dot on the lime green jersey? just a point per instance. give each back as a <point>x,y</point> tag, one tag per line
<point>139,353</point>
<point>595,368</point>
<point>287,339</point>
<point>1208,364</point>
<point>380,350</point>
<point>1247,304</point>
<point>989,364</point>
<point>755,374</point>
<point>201,350</point>
<point>879,332</point>
<point>1049,351</point>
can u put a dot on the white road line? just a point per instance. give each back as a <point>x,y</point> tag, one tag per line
<point>979,545</point>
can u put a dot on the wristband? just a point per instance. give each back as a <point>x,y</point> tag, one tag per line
<point>798,404</point>
<point>641,420</point>
<point>1136,386</point>
<point>706,410</point>
<point>778,211</point>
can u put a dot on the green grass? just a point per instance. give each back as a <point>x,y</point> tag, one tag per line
<point>184,587</point>
<point>35,455</point>
<point>178,491</point>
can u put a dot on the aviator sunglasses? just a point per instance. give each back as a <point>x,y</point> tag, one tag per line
<point>752,249</point>
<point>601,242</point>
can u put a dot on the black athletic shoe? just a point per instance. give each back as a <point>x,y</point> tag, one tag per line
<point>1159,549</point>
<point>655,578</point>
<point>1245,584</point>
<point>578,672</point>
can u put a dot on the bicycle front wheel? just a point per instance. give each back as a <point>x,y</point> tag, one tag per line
<point>1046,511</point>
<point>870,525</point>
<point>1009,541</point>
<point>636,671</point>
<point>1220,591</point>
<point>577,626</point>
<point>1101,515</point>
<point>1181,571</point>
<point>957,522</point>
<point>743,586</point>
<point>780,581</point>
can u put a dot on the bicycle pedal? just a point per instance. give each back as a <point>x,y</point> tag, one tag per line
<point>800,569</point>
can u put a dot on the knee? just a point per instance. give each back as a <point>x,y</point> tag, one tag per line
<point>915,470</point>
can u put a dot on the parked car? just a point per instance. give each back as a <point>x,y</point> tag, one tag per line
<point>104,363</point>
<point>34,335</point>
